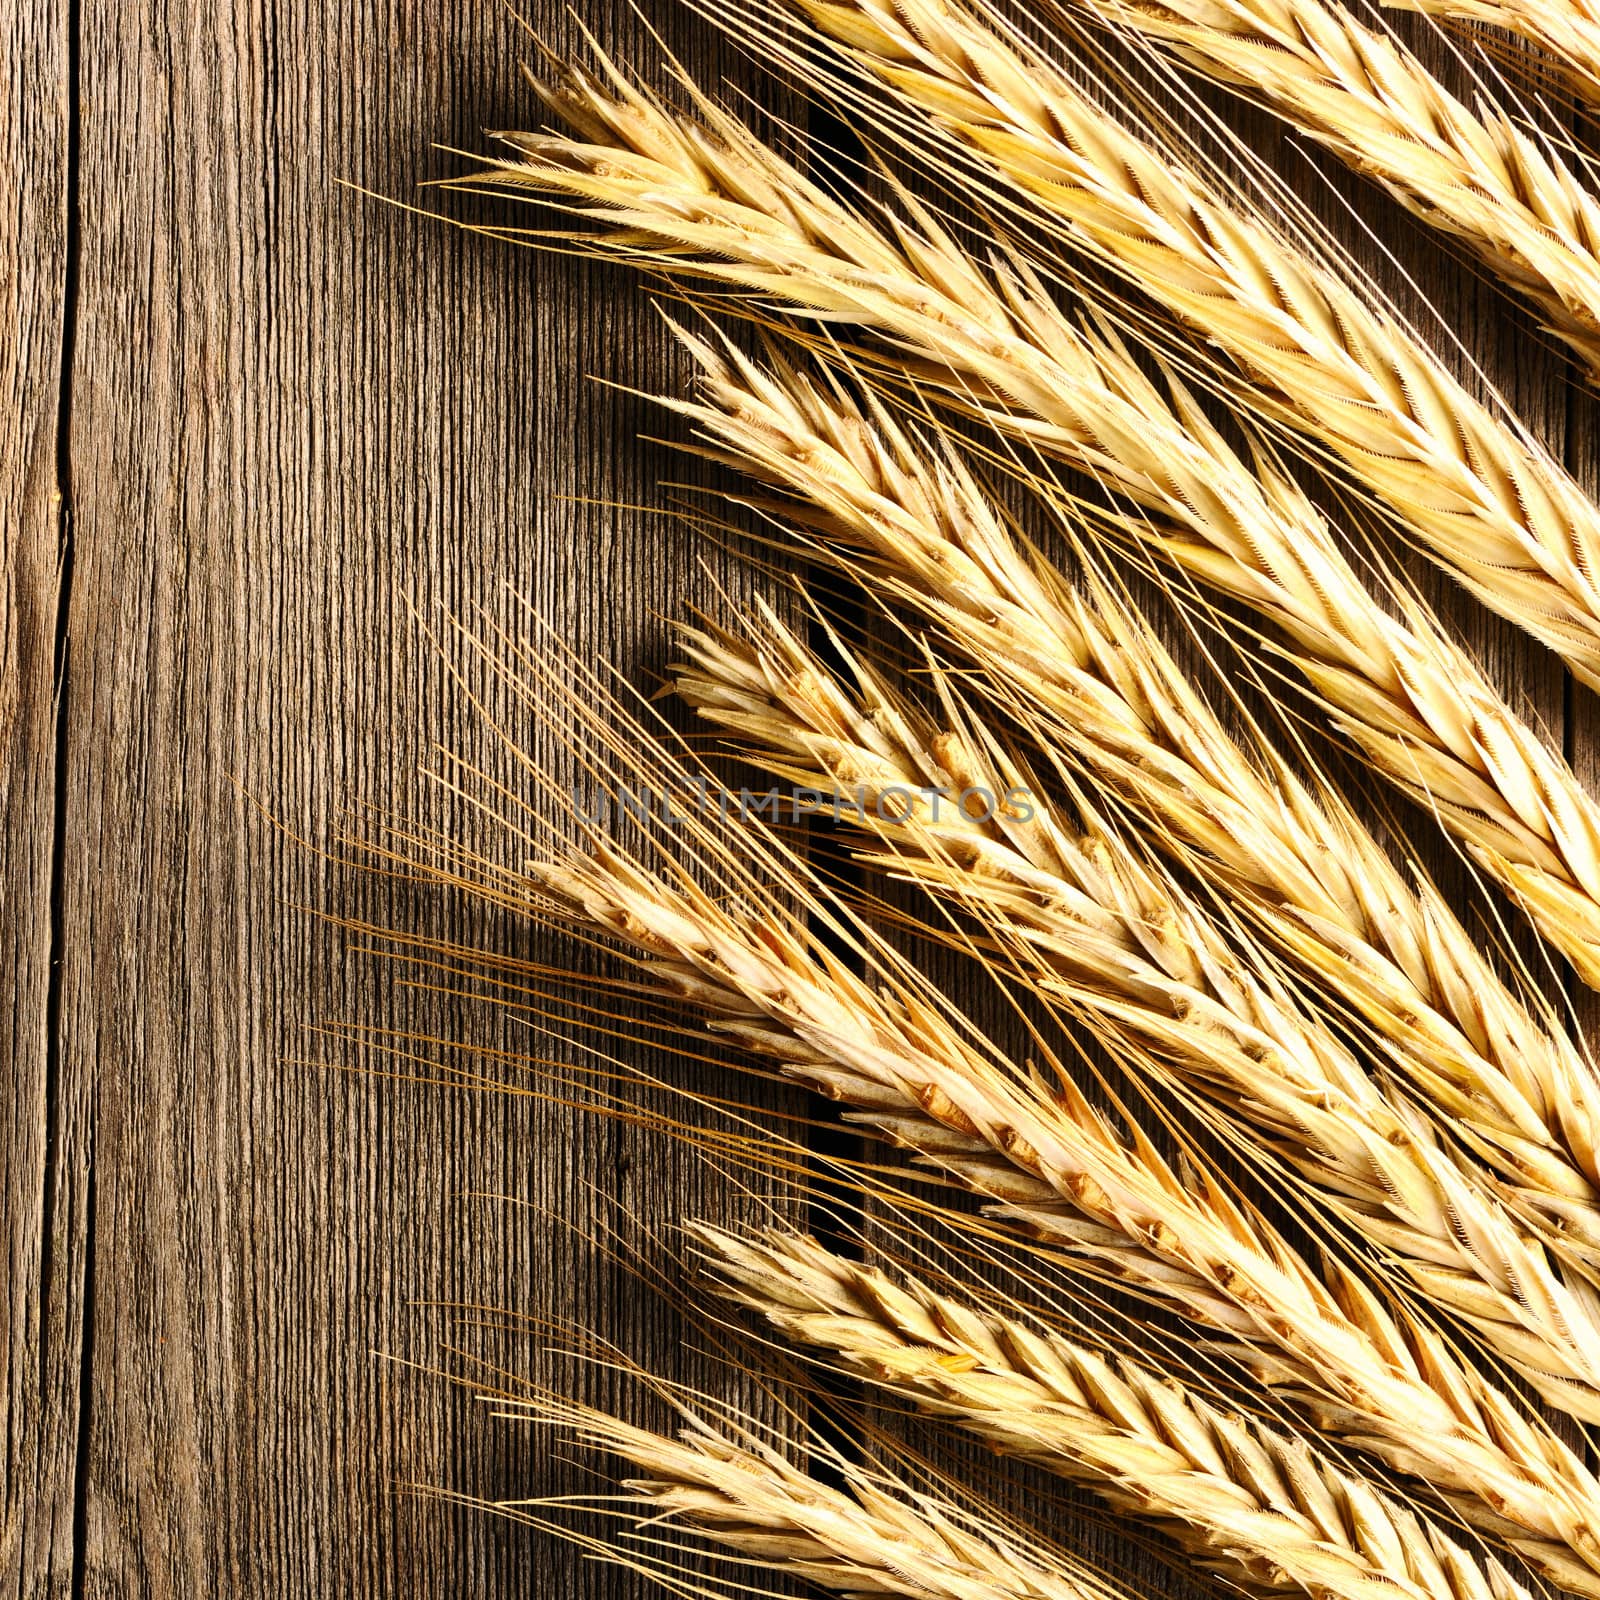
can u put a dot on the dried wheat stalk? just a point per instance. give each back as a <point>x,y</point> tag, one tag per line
<point>707,196</point>
<point>1364,1369</point>
<point>1267,1503</point>
<point>1124,944</point>
<point>874,1536</point>
<point>1483,498</point>
<point>1318,881</point>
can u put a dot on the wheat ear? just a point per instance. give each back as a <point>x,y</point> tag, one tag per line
<point>874,1536</point>
<point>1398,686</point>
<point>1364,1370</point>
<point>1568,31</point>
<point>1473,174</point>
<point>1240,1494</point>
<point>1481,496</point>
<point>913,519</point>
<point>1129,948</point>
<point>706,196</point>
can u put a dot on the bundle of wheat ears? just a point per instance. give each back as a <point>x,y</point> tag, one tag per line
<point>1208,1154</point>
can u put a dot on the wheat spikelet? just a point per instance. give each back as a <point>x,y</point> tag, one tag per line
<point>1363,1369</point>
<point>1482,498</point>
<point>1567,30</point>
<point>1225,1486</point>
<point>710,198</point>
<point>1128,947</point>
<point>875,1535</point>
<point>1318,881</point>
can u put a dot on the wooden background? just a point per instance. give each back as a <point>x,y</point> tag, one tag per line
<point>250,415</point>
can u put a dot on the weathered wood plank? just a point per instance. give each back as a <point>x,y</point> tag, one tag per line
<point>297,409</point>
<point>43,1157</point>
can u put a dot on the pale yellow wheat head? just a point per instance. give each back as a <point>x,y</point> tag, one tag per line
<point>870,1535</point>
<point>1255,1502</point>
<point>1092,926</point>
<point>1471,172</point>
<point>700,194</point>
<point>1047,1161</point>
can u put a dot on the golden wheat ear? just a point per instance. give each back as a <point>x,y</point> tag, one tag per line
<point>1262,1507</point>
<point>753,942</point>
<point>870,1532</point>
<point>1491,185</point>
<point>1406,693</point>
<point>1398,686</point>
<point>1474,488</point>
<point>739,216</point>
<point>1079,915</point>
<point>1094,686</point>
<point>1363,1367</point>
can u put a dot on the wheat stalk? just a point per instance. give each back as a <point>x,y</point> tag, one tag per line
<point>1483,498</point>
<point>1317,880</point>
<point>1125,945</point>
<point>875,1535</point>
<point>1267,1503</point>
<point>1568,31</point>
<point>1364,1370</point>
<point>708,197</point>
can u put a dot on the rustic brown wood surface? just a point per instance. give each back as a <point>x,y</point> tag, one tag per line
<point>250,417</point>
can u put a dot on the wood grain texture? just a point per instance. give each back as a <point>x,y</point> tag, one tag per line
<point>43,1163</point>
<point>42,1156</point>
<point>280,413</point>
<point>296,409</point>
